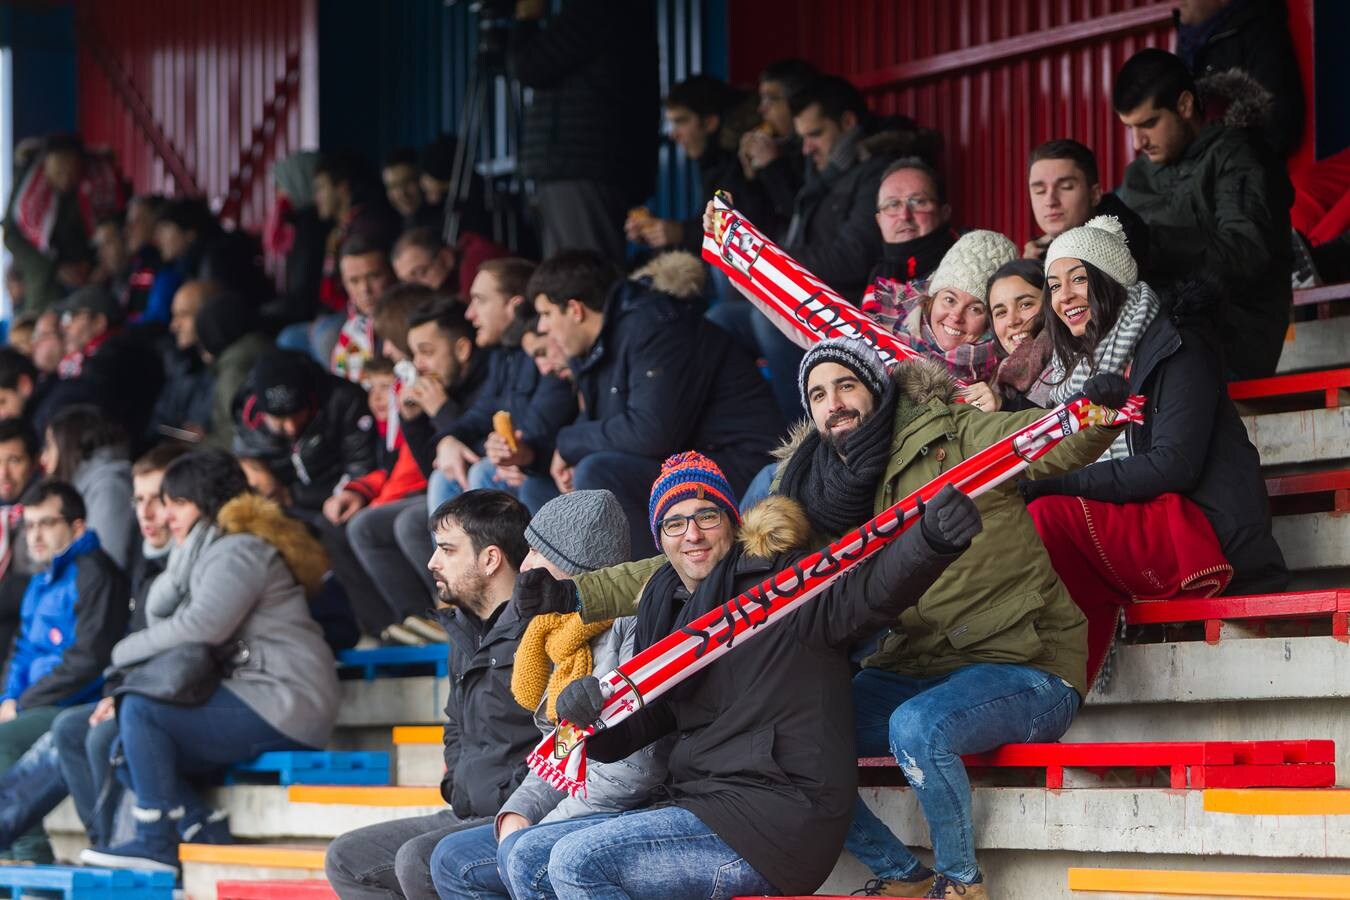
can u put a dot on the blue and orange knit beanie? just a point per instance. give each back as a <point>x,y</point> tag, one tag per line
<point>685,475</point>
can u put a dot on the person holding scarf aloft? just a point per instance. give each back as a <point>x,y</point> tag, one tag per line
<point>1178,507</point>
<point>950,321</point>
<point>763,777</point>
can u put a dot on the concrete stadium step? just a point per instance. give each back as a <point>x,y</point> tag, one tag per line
<point>275,890</point>
<point>207,865</point>
<point>1156,882</point>
<point>1269,802</point>
<point>388,702</point>
<point>1314,540</point>
<point>1316,344</point>
<point>419,753</point>
<point>1307,436</point>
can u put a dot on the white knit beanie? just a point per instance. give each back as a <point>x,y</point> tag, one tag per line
<point>971,260</point>
<point>1100,242</point>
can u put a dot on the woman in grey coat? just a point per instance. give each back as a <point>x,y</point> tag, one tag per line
<point>236,580</point>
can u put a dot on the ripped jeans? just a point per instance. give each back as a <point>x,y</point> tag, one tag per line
<point>927,724</point>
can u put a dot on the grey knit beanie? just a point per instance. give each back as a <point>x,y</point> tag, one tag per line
<point>1100,242</point>
<point>854,354</point>
<point>970,261</point>
<point>580,532</point>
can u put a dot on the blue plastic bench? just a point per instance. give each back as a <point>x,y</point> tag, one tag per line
<point>397,661</point>
<point>73,883</point>
<point>314,767</point>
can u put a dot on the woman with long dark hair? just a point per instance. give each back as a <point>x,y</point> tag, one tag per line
<point>83,447</point>
<point>1177,506</point>
<point>236,582</point>
<point>1016,296</point>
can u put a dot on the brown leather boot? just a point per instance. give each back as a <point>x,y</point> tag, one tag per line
<point>893,887</point>
<point>945,887</point>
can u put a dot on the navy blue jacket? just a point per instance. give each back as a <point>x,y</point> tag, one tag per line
<point>73,612</point>
<point>662,379</point>
<point>539,405</point>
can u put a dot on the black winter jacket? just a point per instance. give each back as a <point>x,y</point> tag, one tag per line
<point>1255,37</point>
<point>841,240</point>
<point>1223,209</point>
<point>593,114</point>
<point>539,405</point>
<point>423,431</point>
<point>339,441</point>
<point>487,733</point>
<point>1193,443</point>
<point>766,754</point>
<point>661,379</point>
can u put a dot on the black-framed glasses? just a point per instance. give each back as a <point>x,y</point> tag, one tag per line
<point>916,205</point>
<point>706,519</point>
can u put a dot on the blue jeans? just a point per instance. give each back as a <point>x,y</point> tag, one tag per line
<point>666,852</point>
<point>162,742</point>
<point>523,857</point>
<point>759,487</point>
<point>927,724</point>
<point>629,478</point>
<point>29,789</point>
<point>439,490</point>
<point>83,756</point>
<point>763,339</point>
<point>315,339</point>
<point>464,865</point>
<point>536,489</point>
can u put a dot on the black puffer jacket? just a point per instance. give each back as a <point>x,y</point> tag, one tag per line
<point>339,440</point>
<point>661,379</point>
<point>593,115</point>
<point>487,733</point>
<point>766,754</point>
<point>1191,443</point>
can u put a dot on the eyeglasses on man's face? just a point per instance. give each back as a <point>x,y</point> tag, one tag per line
<point>914,204</point>
<point>706,519</point>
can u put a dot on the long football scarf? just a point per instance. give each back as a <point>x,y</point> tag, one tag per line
<point>803,307</point>
<point>560,759</point>
<point>98,193</point>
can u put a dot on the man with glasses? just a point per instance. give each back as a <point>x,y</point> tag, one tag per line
<point>915,222</point>
<point>74,610</point>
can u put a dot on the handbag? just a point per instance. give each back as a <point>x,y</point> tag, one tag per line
<point>186,675</point>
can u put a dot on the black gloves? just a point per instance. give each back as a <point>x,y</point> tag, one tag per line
<point>581,701</point>
<point>539,592</point>
<point>1107,389</point>
<point>949,521</point>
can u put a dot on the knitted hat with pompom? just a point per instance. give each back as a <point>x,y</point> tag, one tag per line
<point>1100,242</point>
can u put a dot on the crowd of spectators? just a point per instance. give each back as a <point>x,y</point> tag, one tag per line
<point>214,477</point>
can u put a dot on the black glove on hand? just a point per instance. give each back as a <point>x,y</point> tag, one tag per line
<point>539,592</point>
<point>950,521</point>
<point>1107,389</point>
<point>581,701</point>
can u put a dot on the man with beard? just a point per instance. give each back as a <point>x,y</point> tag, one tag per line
<point>480,545</point>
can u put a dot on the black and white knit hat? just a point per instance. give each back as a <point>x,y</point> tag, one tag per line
<point>854,354</point>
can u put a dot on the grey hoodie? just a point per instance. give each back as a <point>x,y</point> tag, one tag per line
<point>104,481</point>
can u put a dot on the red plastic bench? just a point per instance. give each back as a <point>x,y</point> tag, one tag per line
<point>314,889</point>
<point>1333,604</point>
<point>1327,293</point>
<point>1334,481</point>
<point>1328,382</point>
<point>1191,764</point>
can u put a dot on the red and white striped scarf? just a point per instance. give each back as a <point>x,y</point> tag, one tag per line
<point>99,194</point>
<point>355,344</point>
<point>560,759</point>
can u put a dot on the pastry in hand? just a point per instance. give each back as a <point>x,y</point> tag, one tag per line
<point>502,424</point>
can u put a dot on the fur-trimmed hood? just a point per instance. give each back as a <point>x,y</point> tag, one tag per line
<point>920,380</point>
<point>1234,98</point>
<point>303,555</point>
<point>677,273</point>
<point>775,525</point>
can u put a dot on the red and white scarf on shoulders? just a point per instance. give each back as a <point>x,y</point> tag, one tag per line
<point>355,344</point>
<point>99,193</point>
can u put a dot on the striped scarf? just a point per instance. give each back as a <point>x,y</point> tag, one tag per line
<point>355,344</point>
<point>1112,354</point>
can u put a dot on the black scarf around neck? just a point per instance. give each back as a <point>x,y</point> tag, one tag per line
<point>918,258</point>
<point>838,492</point>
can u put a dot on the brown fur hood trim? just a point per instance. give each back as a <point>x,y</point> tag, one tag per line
<point>1234,98</point>
<point>303,555</point>
<point>775,525</point>
<point>678,273</point>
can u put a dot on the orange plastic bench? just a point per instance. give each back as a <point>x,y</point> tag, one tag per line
<point>315,889</point>
<point>1191,764</point>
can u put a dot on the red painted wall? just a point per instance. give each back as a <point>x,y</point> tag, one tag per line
<point>199,98</point>
<point>996,77</point>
